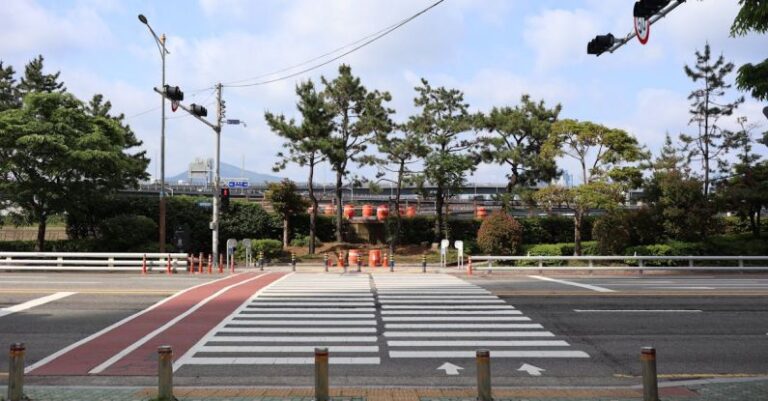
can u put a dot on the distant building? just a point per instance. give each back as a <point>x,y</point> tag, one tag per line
<point>200,172</point>
<point>565,180</point>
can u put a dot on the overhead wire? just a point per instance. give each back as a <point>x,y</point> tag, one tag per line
<point>365,42</point>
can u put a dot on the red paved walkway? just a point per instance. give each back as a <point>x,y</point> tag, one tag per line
<point>82,358</point>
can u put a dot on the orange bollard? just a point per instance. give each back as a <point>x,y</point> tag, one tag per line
<point>210,264</point>
<point>385,260</point>
<point>221,263</point>
<point>168,268</point>
<point>469,266</point>
<point>233,264</point>
<point>144,264</point>
<point>200,263</point>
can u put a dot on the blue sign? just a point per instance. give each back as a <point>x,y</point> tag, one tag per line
<point>237,184</point>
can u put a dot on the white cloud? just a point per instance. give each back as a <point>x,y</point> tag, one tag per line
<point>559,37</point>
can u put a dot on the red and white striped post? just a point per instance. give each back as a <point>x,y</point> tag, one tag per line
<point>144,264</point>
<point>210,264</point>
<point>168,268</point>
<point>469,266</point>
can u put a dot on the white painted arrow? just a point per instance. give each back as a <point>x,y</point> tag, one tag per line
<point>450,369</point>
<point>532,370</point>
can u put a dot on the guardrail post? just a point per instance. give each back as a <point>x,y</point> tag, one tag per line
<point>165,373</point>
<point>424,263</point>
<point>690,262</point>
<point>59,259</point>
<point>650,382</point>
<point>111,262</point>
<point>483,358</point>
<point>321,374</point>
<point>168,266</point>
<point>16,373</point>
<point>591,265</point>
<point>640,264</point>
<point>741,265</point>
<point>293,261</point>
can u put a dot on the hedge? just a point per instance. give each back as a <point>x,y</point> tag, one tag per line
<point>560,249</point>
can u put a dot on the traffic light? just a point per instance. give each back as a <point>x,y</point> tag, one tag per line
<point>600,44</point>
<point>225,198</point>
<point>198,110</point>
<point>647,8</point>
<point>173,93</point>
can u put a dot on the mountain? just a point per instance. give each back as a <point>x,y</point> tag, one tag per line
<point>231,171</point>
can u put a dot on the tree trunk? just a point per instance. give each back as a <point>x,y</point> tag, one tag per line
<point>339,234</point>
<point>398,216</point>
<point>577,219</point>
<point>439,214</point>
<point>286,229</point>
<point>41,224</point>
<point>313,200</point>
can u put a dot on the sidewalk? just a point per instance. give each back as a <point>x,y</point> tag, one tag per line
<point>699,390</point>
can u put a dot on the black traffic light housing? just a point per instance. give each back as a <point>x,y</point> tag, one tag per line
<point>198,110</point>
<point>173,93</point>
<point>647,8</point>
<point>225,198</point>
<point>600,44</point>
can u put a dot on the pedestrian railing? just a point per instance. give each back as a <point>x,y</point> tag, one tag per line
<point>92,261</point>
<point>633,262</point>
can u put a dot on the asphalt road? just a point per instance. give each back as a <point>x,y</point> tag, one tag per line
<point>387,329</point>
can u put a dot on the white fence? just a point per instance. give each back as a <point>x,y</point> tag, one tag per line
<point>91,261</point>
<point>635,263</point>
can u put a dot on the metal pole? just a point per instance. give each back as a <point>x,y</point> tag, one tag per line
<point>483,358</point>
<point>161,226</point>
<point>16,373</point>
<point>293,261</point>
<point>216,178</point>
<point>164,373</point>
<point>424,263</point>
<point>321,374</point>
<point>650,382</point>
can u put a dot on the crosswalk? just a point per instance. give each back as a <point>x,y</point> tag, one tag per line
<point>365,319</point>
<point>282,325</point>
<point>441,316</point>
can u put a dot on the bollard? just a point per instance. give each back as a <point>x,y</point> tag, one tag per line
<point>483,357</point>
<point>221,263</point>
<point>16,373</point>
<point>359,264</point>
<point>165,373</point>
<point>210,264</point>
<point>650,382</point>
<point>392,262</point>
<point>200,263</point>
<point>232,264</point>
<point>144,264</point>
<point>325,261</point>
<point>469,266</point>
<point>190,263</point>
<point>261,260</point>
<point>293,261</point>
<point>321,374</point>
<point>424,263</point>
<point>168,268</point>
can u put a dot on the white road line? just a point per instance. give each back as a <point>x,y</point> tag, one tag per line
<point>256,302</point>
<point>455,318</point>
<point>285,349</point>
<point>463,326</point>
<point>446,307</point>
<point>431,292</point>
<point>305,322</point>
<point>451,297</point>
<point>282,361</point>
<point>451,312</point>
<point>127,350</point>
<point>113,326</point>
<point>293,339</point>
<point>301,299</point>
<point>442,301</point>
<point>479,343</point>
<point>229,329</point>
<point>310,315</point>
<point>35,302</point>
<point>566,282</point>
<point>468,334</point>
<point>494,354</point>
<point>48,282</point>
<point>251,308</point>
<point>639,310</point>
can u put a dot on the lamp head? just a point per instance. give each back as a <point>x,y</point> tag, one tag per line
<point>143,19</point>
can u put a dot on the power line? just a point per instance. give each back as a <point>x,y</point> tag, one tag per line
<point>370,39</point>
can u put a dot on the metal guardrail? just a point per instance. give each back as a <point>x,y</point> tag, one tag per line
<point>91,261</point>
<point>740,263</point>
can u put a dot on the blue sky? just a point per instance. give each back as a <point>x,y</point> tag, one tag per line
<point>493,50</point>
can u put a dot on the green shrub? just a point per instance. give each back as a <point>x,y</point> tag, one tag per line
<point>736,245</point>
<point>124,232</point>
<point>68,245</point>
<point>500,234</point>
<point>303,240</point>
<point>611,233</point>
<point>671,248</point>
<point>542,250</point>
<point>272,248</point>
<point>325,226</point>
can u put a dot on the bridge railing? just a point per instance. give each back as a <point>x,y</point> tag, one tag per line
<point>633,262</point>
<point>92,261</point>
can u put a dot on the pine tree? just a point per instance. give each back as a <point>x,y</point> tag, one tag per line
<point>35,80</point>
<point>9,94</point>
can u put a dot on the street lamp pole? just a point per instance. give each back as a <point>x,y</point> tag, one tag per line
<point>160,42</point>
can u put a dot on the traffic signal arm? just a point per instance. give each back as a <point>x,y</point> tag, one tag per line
<point>190,111</point>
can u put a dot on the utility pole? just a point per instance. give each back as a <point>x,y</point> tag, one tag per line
<point>162,159</point>
<point>217,178</point>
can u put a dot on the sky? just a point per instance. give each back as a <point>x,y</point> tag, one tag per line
<point>492,50</point>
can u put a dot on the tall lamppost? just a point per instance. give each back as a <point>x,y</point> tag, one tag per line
<point>160,42</point>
